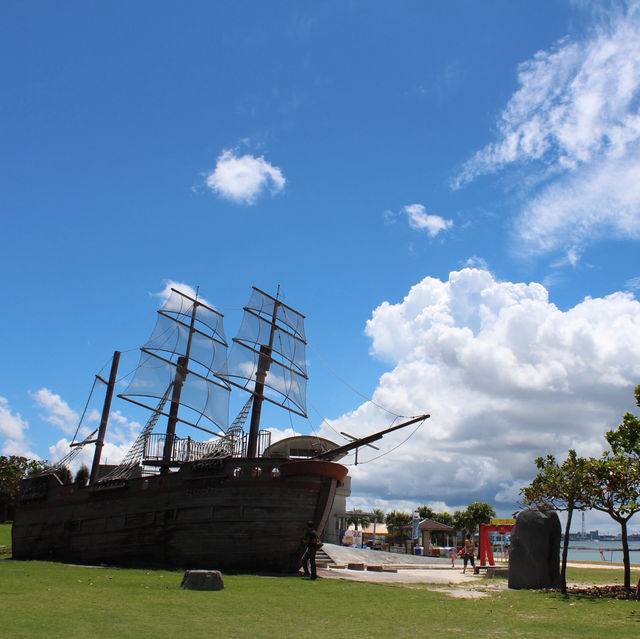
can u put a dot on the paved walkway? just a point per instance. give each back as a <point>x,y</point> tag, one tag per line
<point>410,568</point>
<point>421,575</point>
<point>345,555</point>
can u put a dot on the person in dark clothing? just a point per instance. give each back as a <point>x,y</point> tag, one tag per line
<point>310,541</point>
<point>469,552</point>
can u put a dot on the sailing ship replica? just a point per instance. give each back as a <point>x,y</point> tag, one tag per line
<point>175,502</point>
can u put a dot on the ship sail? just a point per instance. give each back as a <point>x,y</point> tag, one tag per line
<point>267,358</point>
<point>228,506</point>
<point>185,349</point>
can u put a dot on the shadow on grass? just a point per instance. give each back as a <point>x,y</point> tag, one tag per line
<point>615,591</point>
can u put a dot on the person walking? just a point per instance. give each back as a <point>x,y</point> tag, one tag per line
<point>311,542</point>
<point>469,552</point>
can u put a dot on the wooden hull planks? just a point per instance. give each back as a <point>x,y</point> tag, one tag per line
<point>232,514</point>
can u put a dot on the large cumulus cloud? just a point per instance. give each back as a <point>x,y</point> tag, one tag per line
<point>506,376</point>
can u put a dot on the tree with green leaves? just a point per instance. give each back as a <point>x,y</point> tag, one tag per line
<point>13,470</point>
<point>82,476</point>
<point>357,520</point>
<point>559,487</point>
<point>626,438</point>
<point>443,518</point>
<point>469,519</point>
<point>613,482</point>
<point>64,475</point>
<point>425,512</point>
<point>380,516</point>
<point>479,512</point>
<point>610,484</point>
<point>396,521</point>
<point>460,521</point>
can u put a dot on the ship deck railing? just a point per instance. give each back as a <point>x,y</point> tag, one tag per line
<point>187,449</point>
<point>183,450</point>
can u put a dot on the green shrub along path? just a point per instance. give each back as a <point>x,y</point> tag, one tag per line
<point>45,599</point>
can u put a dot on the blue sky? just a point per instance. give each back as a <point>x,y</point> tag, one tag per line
<point>449,192</point>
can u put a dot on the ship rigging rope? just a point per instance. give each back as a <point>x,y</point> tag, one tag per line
<point>355,390</point>
<point>402,443</point>
<point>84,412</point>
<point>325,420</point>
<point>293,430</point>
<point>315,430</point>
<point>108,363</point>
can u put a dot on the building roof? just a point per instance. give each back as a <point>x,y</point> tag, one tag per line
<point>434,526</point>
<point>381,529</point>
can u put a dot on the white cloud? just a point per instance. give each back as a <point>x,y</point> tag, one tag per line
<point>57,410</point>
<point>574,123</point>
<point>388,217</point>
<point>12,427</point>
<point>506,377</point>
<point>633,284</point>
<point>173,303</point>
<point>11,424</point>
<point>120,436</point>
<point>420,220</point>
<point>277,434</point>
<point>111,454</point>
<point>476,262</point>
<point>242,179</point>
<point>602,199</point>
<point>165,293</point>
<point>184,288</point>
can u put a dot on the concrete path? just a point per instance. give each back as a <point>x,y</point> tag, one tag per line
<point>417,575</point>
<point>409,568</point>
<point>342,555</point>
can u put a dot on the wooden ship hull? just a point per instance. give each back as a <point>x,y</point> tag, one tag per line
<point>224,514</point>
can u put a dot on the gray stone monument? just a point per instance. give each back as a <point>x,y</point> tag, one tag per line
<point>202,580</point>
<point>534,560</point>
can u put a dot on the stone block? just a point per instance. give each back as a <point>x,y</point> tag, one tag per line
<point>497,571</point>
<point>202,580</point>
<point>355,566</point>
<point>534,561</point>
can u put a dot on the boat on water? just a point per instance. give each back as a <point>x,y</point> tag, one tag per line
<point>231,502</point>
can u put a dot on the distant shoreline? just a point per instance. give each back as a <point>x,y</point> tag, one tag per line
<point>600,563</point>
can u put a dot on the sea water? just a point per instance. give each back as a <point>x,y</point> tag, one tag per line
<point>604,549</point>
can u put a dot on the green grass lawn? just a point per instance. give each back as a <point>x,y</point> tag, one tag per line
<point>601,576</point>
<point>5,538</point>
<point>42,599</point>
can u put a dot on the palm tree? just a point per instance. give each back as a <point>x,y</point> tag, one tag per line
<point>396,521</point>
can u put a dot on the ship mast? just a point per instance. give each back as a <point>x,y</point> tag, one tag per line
<point>267,360</point>
<point>178,383</point>
<point>177,368</point>
<point>264,363</point>
<point>105,417</point>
